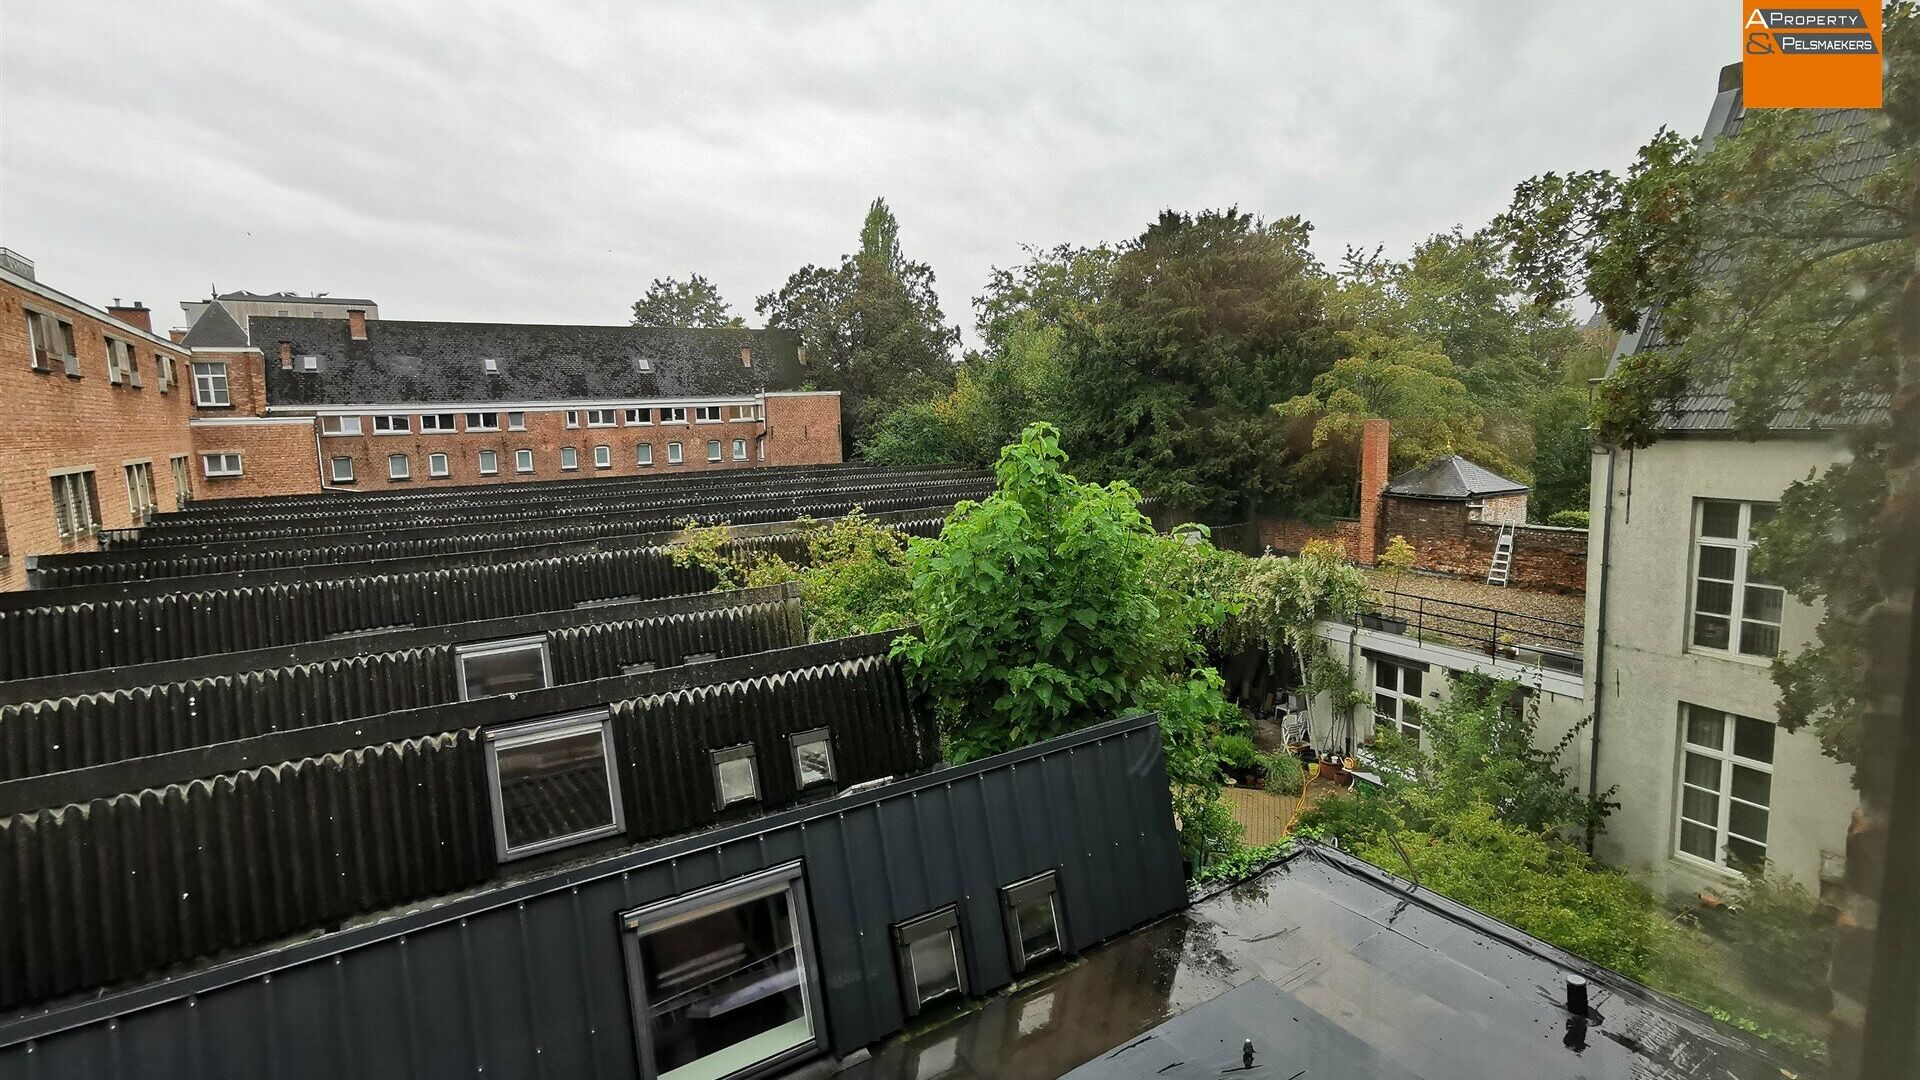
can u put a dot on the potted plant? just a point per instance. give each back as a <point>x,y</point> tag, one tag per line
<point>1240,760</point>
<point>1395,560</point>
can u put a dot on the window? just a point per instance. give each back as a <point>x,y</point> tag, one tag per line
<point>637,417</point>
<point>739,449</point>
<point>928,952</point>
<point>42,346</point>
<point>603,457</point>
<point>673,416</point>
<point>1396,698</point>
<point>76,503</point>
<point>483,421</point>
<point>220,464</point>
<point>601,417</point>
<point>436,422</point>
<point>1727,591</point>
<point>742,412</point>
<point>164,369</point>
<point>489,462</point>
<point>713,449</point>
<point>673,453</point>
<point>503,667</point>
<point>210,385</point>
<point>553,783</point>
<point>437,465</point>
<point>812,757</point>
<point>643,364</point>
<point>182,481</point>
<point>139,477</point>
<point>516,421</point>
<point>340,425</point>
<point>706,414</point>
<point>643,455</point>
<point>309,362</point>
<point>491,365</point>
<point>122,362</point>
<point>573,418</point>
<point>399,467</point>
<point>1032,911</point>
<point>1726,786</point>
<point>722,981</point>
<point>342,467</point>
<point>734,778</point>
<point>390,425</point>
<point>523,461</point>
<point>569,457</point>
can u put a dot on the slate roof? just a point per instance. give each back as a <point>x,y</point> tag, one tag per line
<point>1709,408</point>
<point>216,328</point>
<point>1452,477</point>
<point>407,362</point>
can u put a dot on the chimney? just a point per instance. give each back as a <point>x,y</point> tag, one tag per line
<point>1375,435</point>
<point>135,314</point>
<point>286,356</point>
<point>746,356</point>
<point>357,323</point>
<point>177,335</point>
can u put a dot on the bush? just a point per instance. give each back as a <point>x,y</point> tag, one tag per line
<point>1570,519</point>
<point>1783,936</point>
<point>1237,752</point>
<point>1285,774</point>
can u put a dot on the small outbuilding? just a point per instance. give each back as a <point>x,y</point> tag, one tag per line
<point>1467,488</point>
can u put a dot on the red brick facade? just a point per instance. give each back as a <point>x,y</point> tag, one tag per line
<point>59,423</point>
<point>803,428</point>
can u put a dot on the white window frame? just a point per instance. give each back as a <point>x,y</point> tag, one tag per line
<point>532,642</point>
<point>163,370</point>
<point>603,456</point>
<point>673,416</point>
<point>743,414</point>
<point>1727,758</point>
<point>739,449</point>
<point>516,421</point>
<point>490,365</point>
<point>676,454</point>
<point>1736,617</point>
<point>569,459</point>
<point>713,451</point>
<point>1396,691</point>
<point>333,469</point>
<point>211,389</point>
<point>182,480</point>
<point>309,362</point>
<point>207,464</point>
<point>392,424</point>
<point>483,421</point>
<point>404,462</point>
<point>485,469</point>
<point>573,418</point>
<point>707,414</point>
<point>438,423</point>
<point>523,455</point>
<point>602,417</point>
<point>339,425</point>
<point>638,417</point>
<point>643,456</point>
<point>439,467</point>
<point>40,346</point>
<point>138,476</point>
<point>75,500</point>
<point>547,730</point>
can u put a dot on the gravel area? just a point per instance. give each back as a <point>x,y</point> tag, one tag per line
<point>1539,605</point>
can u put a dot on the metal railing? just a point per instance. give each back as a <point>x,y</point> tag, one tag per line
<point>1496,632</point>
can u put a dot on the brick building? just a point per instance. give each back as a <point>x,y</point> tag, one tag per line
<point>97,437</point>
<point>302,404</point>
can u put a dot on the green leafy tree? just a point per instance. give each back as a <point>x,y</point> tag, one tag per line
<point>995,396</point>
<point>695,302</point>
<point>1562,453</point>
<point>854,579</point>
<point>872,326</point>
<point>1055,287</point>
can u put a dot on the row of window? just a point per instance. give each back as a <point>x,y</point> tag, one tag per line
<point>76,496</point>
<point>694,962</point>
<point>402,423</point>
<point>50,341</point>
<point>439,464</point>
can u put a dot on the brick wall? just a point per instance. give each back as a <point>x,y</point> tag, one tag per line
<point>1445,541</point>
<point>803,429</point>
<point>246,382</point>
<point>1504,509</point>
<point>1359,537</point>
<point>57,422</point>
<point>276,457</point>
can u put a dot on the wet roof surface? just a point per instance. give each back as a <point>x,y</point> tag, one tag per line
<point>1334,973</point>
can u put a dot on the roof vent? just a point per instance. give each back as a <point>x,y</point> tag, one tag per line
<point>1577,995</point>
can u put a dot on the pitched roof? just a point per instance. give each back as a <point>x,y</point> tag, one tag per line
<point>216,328</point>
<point>1451,477</point>
<point>407,362</point>
<point>293,297</point>
<point>1708,407</point>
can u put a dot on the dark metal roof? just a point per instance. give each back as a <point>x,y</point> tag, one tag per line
<point>403,363</point>
<point>216,328</point>
<point>1451,477</point>
<point>294,297</point>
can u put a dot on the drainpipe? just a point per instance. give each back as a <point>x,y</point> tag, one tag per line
<point>1600,644</point>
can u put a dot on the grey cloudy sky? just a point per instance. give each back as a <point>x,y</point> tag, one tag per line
<point>543,161</point>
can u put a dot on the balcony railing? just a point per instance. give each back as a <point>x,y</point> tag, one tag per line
<point>1530,639</point>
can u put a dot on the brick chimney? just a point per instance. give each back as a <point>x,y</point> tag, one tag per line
<point>134,314</point>
<point>286,356</point>
<point>357,323</point>
<point>1375,436</point>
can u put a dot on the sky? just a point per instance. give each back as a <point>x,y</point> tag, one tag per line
<point>542,162</point>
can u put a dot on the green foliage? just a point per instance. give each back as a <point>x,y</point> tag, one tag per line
<point>1783,936</point>
<point>695,302</point>
<point>1195,719</point>
<point>1395,561</point>
<point>855,580</point>
<point>1285,774</point>
<point>994,397</point>
<point>1241,863</point>
<point>872,326</point>
<point>1568,519</point>
<point>1562,453</point>
<point>1237,752</point>
<point>1057,287</point>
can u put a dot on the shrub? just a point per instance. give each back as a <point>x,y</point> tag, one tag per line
<point>1237,752</point>
<point>1783,936</point>
<point>1285,774</point>
<point>1571,519</point>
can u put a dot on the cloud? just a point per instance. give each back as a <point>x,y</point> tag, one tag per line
<point>542,162</point>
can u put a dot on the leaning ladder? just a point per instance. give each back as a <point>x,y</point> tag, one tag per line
<point>1502,557</point>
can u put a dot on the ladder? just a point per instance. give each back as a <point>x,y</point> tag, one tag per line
<point>1502,557</point>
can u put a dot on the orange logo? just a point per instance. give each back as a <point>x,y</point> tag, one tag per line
<point>1811,58</point>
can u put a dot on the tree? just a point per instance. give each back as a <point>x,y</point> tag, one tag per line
<point>872,326</point>
<point>1208,320</point>
<point>695,302</point>
<point>995,396</point>
<point>1053,288</point>
<point>1562,453</point>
